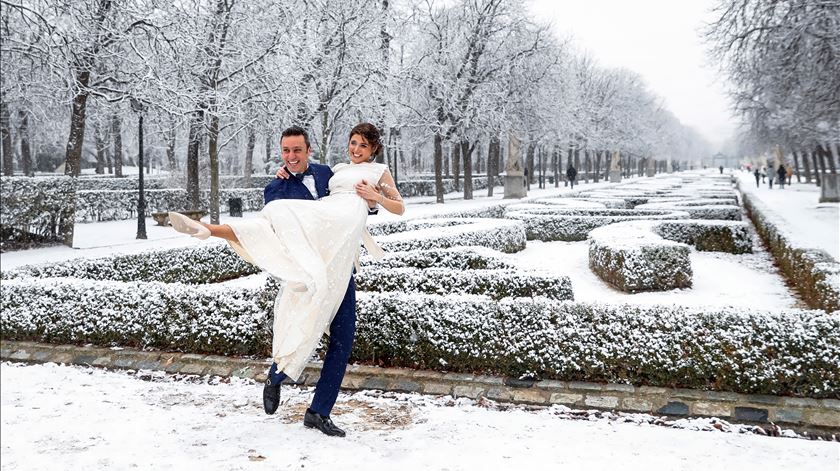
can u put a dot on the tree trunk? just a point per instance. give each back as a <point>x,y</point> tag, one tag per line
<point>816,167</point>
<point>438,158</point>
<point>213,151</point>
<point>73,154</point>
<point>806,164</point>
<point>192,159</point>
<point>826,151</point>
<point>447,157</point>
<point>555,165</point>
<point>25,147</point>
<point>586,162</point>
<point>456,165</point>
<point>100,149</point>
<point>478,158</point>
<point>109,162</point>
<point>6,137</point>
<point>116,135</point>
<point>493,160</point>
<point>171,161</point>
<point>597,176</point>
<point>796,166</point>
<point>267,160</point>
<point>466,152</point>
<point>248,167</point>
<point>529,162</point>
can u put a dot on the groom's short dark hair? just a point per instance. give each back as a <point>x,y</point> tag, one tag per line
<point>295,131</point>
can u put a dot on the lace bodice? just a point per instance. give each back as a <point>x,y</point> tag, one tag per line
<point>346,176</point>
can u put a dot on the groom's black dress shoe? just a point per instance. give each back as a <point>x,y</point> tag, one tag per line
<point>322,423</point>
<point>271,397</point>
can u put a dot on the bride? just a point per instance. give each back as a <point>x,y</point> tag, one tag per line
<point>311,245</point>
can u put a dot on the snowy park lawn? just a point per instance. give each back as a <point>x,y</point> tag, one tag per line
<point>57,417</point>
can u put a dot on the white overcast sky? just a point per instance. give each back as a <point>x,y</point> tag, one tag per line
<point>660,40</point>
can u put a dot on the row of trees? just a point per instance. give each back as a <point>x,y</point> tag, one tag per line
<point>219,79</point>
<point>782,60</point>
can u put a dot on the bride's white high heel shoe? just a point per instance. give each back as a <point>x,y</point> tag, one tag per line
<point>188,226</point>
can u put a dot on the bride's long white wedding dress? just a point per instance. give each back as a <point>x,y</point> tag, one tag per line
<point>312,246</point>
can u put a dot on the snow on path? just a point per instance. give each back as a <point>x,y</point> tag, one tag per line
<point>797,210</point>
<point>58,417</point>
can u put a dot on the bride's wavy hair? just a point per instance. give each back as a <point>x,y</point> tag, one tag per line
<point>371,134</point>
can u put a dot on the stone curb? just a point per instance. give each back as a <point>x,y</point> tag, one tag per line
<point>802,413</point>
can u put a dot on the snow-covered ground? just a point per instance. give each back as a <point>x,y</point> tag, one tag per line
<point>60,417</point>
<point>797,209</point>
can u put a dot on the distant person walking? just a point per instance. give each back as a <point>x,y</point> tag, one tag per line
<point>721,169</point>
<point>763,173</point>
<point>782,173</point>
<point>757,177</point>
<point>771,175</point>
<point>571,175</point>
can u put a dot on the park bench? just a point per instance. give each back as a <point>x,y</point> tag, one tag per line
<point>162,219</point>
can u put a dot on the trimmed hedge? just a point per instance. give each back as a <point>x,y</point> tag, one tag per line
<point>496,284</point>
<point>631,258</point>
<point>553,224</point>
<point>423,234</point>
<point>708,236</point>
<point>93,206</point>
<point>790,352</point>
<point>814,273</point>
<point>36,209</point>
<point>168,316</point>
<point>455,258</point>
<point>199,264</point>
<point>699,209</point>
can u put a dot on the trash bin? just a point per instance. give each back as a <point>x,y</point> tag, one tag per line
<point>235,206</point>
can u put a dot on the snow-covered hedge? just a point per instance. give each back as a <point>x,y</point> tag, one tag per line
<point>36,209</point>
<point>814,273</point>
<point>652,255</point>
<point>699,209</point>
<point>129,183</point>
<point>632,258</point>
<point>421,234</point>
<point>161,183</point>
<point>496,284</point>
<point>791,352</point>
<point>557,223</point>
<point>199,264</point>
<point>168,316</point>
<point>93,206</point>
<point>455,258</point>
<point>427,187</point>
<point>708,235</point>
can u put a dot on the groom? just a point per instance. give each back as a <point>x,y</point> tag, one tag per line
<point>303,180</point>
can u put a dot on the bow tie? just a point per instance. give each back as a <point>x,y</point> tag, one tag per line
<point>308,171</point>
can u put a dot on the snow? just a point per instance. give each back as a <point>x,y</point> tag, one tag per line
<point>798,212</point>
<point>95,419</point>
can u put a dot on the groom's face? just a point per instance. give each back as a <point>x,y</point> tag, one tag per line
<point>295,153</point>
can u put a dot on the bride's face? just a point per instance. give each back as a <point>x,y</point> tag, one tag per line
<point>359,149</point>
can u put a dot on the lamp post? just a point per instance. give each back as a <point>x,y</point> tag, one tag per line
<point>137,106</point>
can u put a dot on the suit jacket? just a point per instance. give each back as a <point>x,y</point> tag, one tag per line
<point>294,189</point>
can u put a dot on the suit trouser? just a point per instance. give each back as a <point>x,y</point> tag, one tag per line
<point>342,331</point>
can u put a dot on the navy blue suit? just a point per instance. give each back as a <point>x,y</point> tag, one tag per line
<point>343,327</point>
